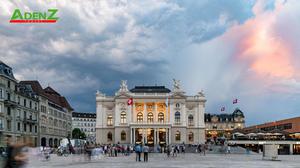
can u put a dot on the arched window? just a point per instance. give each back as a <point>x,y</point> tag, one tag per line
<point>177,117</point>
<point>123,136</point>
<point>109,120</point>
<point>109,136</point>
<point>191,137</point>
<point>177,105</point>
<point>123,117</point>
<point>161,117</point>
<point>191,119</point>
<point>140,117</point>
<point>150,117</point>
<point>177,136</point>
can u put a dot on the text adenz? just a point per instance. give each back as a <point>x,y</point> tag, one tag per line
<point>34,17</point>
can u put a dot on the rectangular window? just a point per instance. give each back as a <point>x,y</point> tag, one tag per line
<point>8,84</point>
<point>19,126</point>
<point>35,129</point>
<point>8,111</point>
<point>24,127</point>
<point>1,123</point>
<point>24,103</point>
<point>8,96</point>
<point>8,125</point>
<point>1,93</point>
<point>30,104</point>
<point>1,108</point>
<point>30,128</point>
<point>18,113</point>
<point>19,99</point>
<point>25,115</point>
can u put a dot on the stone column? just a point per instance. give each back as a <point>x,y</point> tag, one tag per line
<point>157,135</point>
<point>170,137</point>
<point>155,118</point>
<point>131,135</point>
<point>291,149</point>
<point>143,135</point>
<point>145,112</point>
<point>167,112</point>
<point>155,142</point>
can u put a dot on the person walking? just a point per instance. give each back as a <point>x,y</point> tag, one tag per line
<point>203,149</point>
<point>146,151</point>
<point>168,150</point>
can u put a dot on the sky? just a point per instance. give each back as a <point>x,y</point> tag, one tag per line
<point>242,49</point>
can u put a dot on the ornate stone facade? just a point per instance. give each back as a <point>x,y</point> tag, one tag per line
<point>219,125</point>
<point>158,116</point>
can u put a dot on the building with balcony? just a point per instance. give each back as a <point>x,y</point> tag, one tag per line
<point>55,115</point>
<point>222,125</point>
<point>150,114</point>
<point>8,103</point>
<point>18,109</point>
<point>86,122</point>
<point>26,115</point>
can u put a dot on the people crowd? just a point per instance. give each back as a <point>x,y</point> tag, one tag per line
<point>16,157</point>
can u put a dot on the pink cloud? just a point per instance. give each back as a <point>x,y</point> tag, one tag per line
<point>259,45</point>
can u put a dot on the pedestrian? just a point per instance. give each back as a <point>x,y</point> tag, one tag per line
<point>116,151</point>
<point>146,151</point>
<point>200,149</point>
<point>138,150</point>
<point>168,150</point>
<point>88,151</point>
<point>16,158</point>
<point>228,149</point>
<point>203,149</point>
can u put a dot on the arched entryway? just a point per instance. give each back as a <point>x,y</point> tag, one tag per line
<point>43,141</point>
<point>55,143</point>
<point>51,142</point>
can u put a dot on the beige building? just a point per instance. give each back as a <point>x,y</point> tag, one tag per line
<point>222,125</point>
<point>18,109</point>
<point>157,116</point>
<point>86,122</point>
<point>55,116</point>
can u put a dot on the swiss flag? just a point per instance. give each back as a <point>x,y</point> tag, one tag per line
<point>130,101</point>
<point>235,101</point>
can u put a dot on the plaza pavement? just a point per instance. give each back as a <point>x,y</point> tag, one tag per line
<point>162,161</point>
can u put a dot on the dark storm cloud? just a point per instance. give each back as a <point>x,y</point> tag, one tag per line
<point>95,44</point>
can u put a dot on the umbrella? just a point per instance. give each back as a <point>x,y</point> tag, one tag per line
<point>251,134</point>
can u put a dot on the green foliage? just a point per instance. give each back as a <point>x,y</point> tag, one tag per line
<point>78,134</point>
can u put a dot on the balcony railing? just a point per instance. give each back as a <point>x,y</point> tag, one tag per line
<point>177,123</point>
<point>11,103</point>
<point>30,120</point>
<point>149,123</point>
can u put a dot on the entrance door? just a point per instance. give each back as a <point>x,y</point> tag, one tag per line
<point>150,137</point>
<point>138,135</point>
<point>43,142</point>
<point>162,136</point>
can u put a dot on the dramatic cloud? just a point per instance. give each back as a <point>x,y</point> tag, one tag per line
<point>245,49</point>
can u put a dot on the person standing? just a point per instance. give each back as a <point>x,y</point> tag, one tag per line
<point>138,150</point>
<point>146,151</point>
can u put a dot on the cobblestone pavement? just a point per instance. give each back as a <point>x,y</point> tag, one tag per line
<point>162,161</point>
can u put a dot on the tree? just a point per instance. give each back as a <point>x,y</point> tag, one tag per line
<point>82,135</point>
<point>78,134</point>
